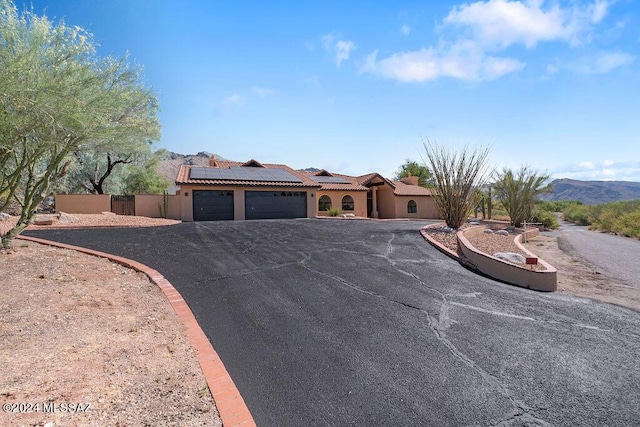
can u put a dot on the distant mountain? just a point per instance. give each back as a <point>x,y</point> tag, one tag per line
<point>592,192</point>
<point>172,161</point>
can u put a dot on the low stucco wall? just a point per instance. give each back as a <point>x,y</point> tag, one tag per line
<point>149,205</point>
<point>83,203</point>
<point>540,280</point>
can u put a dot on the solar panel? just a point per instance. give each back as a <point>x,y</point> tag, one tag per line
<point>330,180</point>
<point>239,173</point>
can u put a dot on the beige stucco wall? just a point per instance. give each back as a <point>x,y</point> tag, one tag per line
<point>149,205</point>
<point>426,207</point>
<point>186,198</point>
<point>386,202</point>
<point>541,280</point>
<point>359,201</point>
<point>83,203</point>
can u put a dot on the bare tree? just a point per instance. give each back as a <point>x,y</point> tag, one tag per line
<point>457,177</point>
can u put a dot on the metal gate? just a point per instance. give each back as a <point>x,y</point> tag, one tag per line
<point>123,205</point>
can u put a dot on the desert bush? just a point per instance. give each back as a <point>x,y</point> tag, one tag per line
<point>546,217</point>
<point>578,214</point>
<point>629,224</point>
<point>615,217</point>
<point>557,205</point>
<point>334,211</point>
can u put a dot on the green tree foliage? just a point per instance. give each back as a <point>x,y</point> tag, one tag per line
<point>457,176</point>
<point>413,168</point>
<point>145,178</point>
<point>517,191</point>
<point>58,99</point>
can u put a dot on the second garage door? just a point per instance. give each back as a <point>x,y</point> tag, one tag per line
<point>275,204</point>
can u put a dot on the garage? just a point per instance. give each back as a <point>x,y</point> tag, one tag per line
<point>212,205</point>
<point>275,204</point>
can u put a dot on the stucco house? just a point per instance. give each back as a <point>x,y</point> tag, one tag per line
<point>252,190</point>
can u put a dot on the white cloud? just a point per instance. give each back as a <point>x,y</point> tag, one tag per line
<point>231,101</point>
<point>262,92</point>
<point>606,170</point>
<point>341,49</point>
<point>462,62</point>
<point>405,29</point>
<point>602,63</point>
<point>606,62</point>
<point>502,23</point>
<point>474,33</point>
<point>552,69</point>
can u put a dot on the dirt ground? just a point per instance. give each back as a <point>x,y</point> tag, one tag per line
<point>578,278</point>
<point>85,341</point>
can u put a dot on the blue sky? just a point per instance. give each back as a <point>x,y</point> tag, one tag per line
<point>357,86</point>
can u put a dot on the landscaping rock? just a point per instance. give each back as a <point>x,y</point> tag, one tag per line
<point>43,220</point>
<point>502,233</point>
<point>511,257</point>
<point>488,231</point>
<point>474,223</point>
<point>4,216</point>
<point>66,218</point>
<point>108,213</point>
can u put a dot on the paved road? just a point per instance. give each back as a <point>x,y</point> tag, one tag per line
<point>338,323</point>
<point>617,257</point>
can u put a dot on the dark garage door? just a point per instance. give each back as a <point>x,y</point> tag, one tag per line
<point>212,205</point>
<point>275,204</point>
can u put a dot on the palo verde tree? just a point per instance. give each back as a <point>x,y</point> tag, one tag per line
<point>58,98</point>
<point>517,191</point>
<point>457,177</point>
<point>413,168</point>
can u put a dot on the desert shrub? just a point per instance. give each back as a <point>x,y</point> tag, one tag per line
<point>334,211</point>
<point>578,214</point>
<point>557,205</point>
<point>629,224</point>
<point>546,217</point>
<point>615,217</point>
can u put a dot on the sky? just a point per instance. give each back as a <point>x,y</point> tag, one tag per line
<point>359,86</point>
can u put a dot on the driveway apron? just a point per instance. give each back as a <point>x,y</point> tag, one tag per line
<point>323,322</point>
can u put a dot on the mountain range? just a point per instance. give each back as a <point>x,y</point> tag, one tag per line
<point>592,192</point>
<point>588,192</point>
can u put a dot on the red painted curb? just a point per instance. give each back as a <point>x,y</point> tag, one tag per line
<point>231,406</point>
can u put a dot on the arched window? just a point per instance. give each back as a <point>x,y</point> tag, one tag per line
<point>324,203</point>
<point>412,207</point>
<point>347,203</point>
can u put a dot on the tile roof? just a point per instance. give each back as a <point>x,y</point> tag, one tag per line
<point>183,177</point>
<point>355,183</point>
<point>402,189</point>
<point>352,185</point>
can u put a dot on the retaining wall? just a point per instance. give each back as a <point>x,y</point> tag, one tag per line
<point>540,280</point>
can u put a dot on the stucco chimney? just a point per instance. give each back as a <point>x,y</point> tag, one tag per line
<point>410,180</point>
<point>212,161</point>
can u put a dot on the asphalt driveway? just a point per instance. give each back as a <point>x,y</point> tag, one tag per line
<point>323,322</point>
